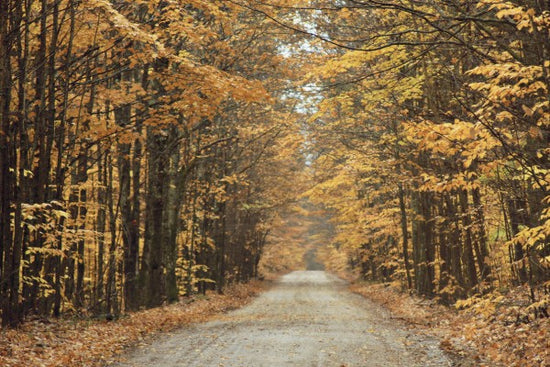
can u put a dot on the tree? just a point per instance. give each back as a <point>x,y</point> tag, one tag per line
<point>434,100</point>
<point>121,124</point>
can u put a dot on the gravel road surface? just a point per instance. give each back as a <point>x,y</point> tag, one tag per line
<point>309,318</point>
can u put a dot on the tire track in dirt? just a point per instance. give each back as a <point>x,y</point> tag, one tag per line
<point>309,319</point>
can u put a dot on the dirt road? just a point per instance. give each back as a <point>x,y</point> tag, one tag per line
<point>308,319</point>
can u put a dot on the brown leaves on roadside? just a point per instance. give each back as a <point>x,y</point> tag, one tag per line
<point>498,339</point>
<point>79,343</point>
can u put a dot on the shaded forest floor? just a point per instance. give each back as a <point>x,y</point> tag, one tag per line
<point>495,334</point>
<point>94,343</point>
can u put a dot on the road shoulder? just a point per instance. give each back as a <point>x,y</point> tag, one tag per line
<point>470,338</point>
<point>94,343</point>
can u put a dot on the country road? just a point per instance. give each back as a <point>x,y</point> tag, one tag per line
<point>309,318</point>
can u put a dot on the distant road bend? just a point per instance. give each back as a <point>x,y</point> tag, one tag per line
<point>309,318</point>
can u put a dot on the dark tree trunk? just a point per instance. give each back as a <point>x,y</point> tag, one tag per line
<point>101,224</point>
<point>423,249</point>
<point>515,208</point>
<point>404,234</point>
<point>482,252</point>
<point>10,240</point>
<point>111,290</point>
<point>152,269</point>
<point>467,251</point>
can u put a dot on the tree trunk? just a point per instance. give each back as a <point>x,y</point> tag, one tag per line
<point>111,286</point>
<point>423,249</point>
<point>467,251</point>
<point>152,269</point>
<point>101,223</point>
<point>404,234</point>
<point>481,237</point>
<point>172,204</point>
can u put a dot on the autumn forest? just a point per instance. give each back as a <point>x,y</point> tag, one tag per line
<point>153,150</point>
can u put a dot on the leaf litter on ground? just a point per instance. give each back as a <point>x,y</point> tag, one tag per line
<point>93,343</point>
<point>499,338</point>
